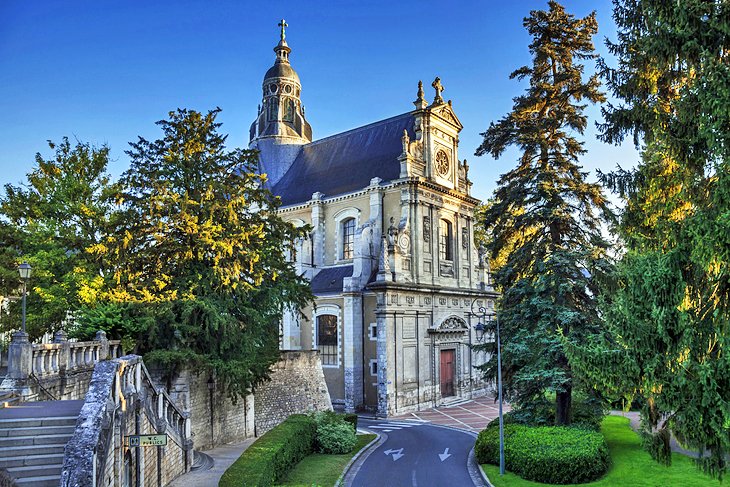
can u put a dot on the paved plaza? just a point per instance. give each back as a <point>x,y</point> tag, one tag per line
<point>471,415</point>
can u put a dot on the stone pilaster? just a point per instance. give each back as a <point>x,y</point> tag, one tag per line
<point>318,231</point>
<point>352,350</point>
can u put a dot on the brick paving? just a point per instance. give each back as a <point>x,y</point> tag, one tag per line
<point>472,415</point>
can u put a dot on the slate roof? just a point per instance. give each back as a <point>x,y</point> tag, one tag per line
<point>346,162</point>
<point>329,279</point>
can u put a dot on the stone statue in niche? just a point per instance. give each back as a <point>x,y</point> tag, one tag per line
<point>483,258</point>
<point>426,229</point>
<point>465,238</point>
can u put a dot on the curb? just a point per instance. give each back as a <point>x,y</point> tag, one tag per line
<point>363,453</point>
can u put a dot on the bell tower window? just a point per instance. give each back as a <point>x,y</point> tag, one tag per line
<point>273,105</point>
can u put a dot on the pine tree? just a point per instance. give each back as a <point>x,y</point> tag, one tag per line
<point>668,319</point>
<point>548,212</point>
<point>200,271</point>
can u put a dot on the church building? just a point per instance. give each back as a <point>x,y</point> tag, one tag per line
<point>391,256</point>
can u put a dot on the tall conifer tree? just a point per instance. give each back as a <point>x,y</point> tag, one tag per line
<point>547,210</point>
<point>669,319</point>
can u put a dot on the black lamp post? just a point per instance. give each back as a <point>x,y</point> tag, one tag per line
<point>24,270</point>
<point>480,329</point>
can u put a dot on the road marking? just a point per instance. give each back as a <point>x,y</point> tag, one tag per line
<point>382,427</point>
<point>443,456</point>
<point>396,453</point>
<point>404,425</point>
<point>413,479</point>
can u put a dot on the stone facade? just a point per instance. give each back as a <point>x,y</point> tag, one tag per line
<point>391,255</point>
<point>297,385</point>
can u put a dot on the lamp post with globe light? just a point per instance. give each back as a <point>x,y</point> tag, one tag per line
<point>480,328</point>
<point>24,270</point>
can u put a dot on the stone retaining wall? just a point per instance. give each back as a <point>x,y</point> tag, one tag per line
<point>297,386</point>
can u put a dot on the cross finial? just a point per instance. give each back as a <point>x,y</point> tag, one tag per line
<point>283,26</point>
<point>439,88</point>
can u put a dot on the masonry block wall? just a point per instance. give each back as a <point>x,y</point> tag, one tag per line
<point>297,385</point>
<point>215,418</point>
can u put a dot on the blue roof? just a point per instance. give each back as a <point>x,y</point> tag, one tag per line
<point>329,279</point>
<point>346,162</point>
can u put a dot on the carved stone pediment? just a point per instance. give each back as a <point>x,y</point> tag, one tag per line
<point>452,324</point>
<point>448,114</point>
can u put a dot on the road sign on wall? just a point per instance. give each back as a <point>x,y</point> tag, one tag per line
<point>146,440</point>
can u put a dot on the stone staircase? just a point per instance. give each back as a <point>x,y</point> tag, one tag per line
<point>33,436</point>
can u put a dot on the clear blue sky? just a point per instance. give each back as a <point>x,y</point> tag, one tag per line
<point>105,71</point>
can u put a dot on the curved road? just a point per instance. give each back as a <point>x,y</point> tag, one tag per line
<point>415,454</point>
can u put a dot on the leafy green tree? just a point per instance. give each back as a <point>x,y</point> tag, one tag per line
<point>548,213</point>
<point>668,318</point>
<point>55,221</point>
<point>199,254</point>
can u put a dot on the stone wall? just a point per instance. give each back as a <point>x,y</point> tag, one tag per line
<point>215,418</point>
<point>297,386</point>
<point>122,400</point>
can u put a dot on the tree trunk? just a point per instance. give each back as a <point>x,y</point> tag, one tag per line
<point>563,401</point>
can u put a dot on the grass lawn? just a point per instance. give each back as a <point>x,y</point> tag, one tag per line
<point>323,470</point>
<point>632,466</point>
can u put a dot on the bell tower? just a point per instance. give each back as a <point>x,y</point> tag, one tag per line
<point>280,128</point>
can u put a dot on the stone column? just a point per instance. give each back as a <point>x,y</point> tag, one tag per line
<point>352,326</point>
<point>64,355</point>
<point>20,357</point>
<point>104,348</point>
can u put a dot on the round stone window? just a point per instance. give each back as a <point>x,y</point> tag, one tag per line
<point>442,163</point>
<point>273,88</point>
<point>287,89</point>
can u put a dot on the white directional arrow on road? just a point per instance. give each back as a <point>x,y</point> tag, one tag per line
<point>443,456</point>
<point>396,453</point>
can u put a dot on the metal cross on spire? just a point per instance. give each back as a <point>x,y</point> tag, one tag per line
<point>283,26</point>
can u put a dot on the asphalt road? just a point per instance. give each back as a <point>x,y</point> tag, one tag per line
<point>415,455</point>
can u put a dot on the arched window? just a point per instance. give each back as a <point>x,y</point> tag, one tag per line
<point>327,339</point>
<point>273,105</point>
<point>348,238</point>
<point>446,238</point>
<point>289,115</point>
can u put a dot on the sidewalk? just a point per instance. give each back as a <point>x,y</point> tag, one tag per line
<point>223,457</point>
<point>472,415</point>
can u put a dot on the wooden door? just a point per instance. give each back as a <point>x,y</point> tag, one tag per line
<point>447,373</point>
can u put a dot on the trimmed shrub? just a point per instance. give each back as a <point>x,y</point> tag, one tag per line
<point>549,454</point>
<point>352,419</point>
<point>334,434</point>
<point>336,437</point>
<point>271,457</point>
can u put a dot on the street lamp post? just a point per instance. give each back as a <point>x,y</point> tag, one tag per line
<point>24,270</point>
<point>499,388</point>
<point>480,327</point>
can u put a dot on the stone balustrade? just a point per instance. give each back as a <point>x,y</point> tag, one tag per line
<point>122,400</point>
<point>53,368</point>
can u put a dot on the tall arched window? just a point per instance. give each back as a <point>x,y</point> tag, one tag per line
<point>273,106</point>
<point>327,338</point>
<point>348,238</point>
<point>446,238</point>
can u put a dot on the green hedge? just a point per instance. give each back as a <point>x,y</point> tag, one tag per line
<point>352,419</point>
<point>270,457</point>
<point>549,454</point>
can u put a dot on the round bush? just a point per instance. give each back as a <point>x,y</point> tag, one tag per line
<point>549,454</point>
<point>336,437</point>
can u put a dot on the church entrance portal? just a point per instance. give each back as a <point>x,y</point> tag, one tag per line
<point>447,373</point>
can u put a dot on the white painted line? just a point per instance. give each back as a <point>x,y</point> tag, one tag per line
<point>384,426</point>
